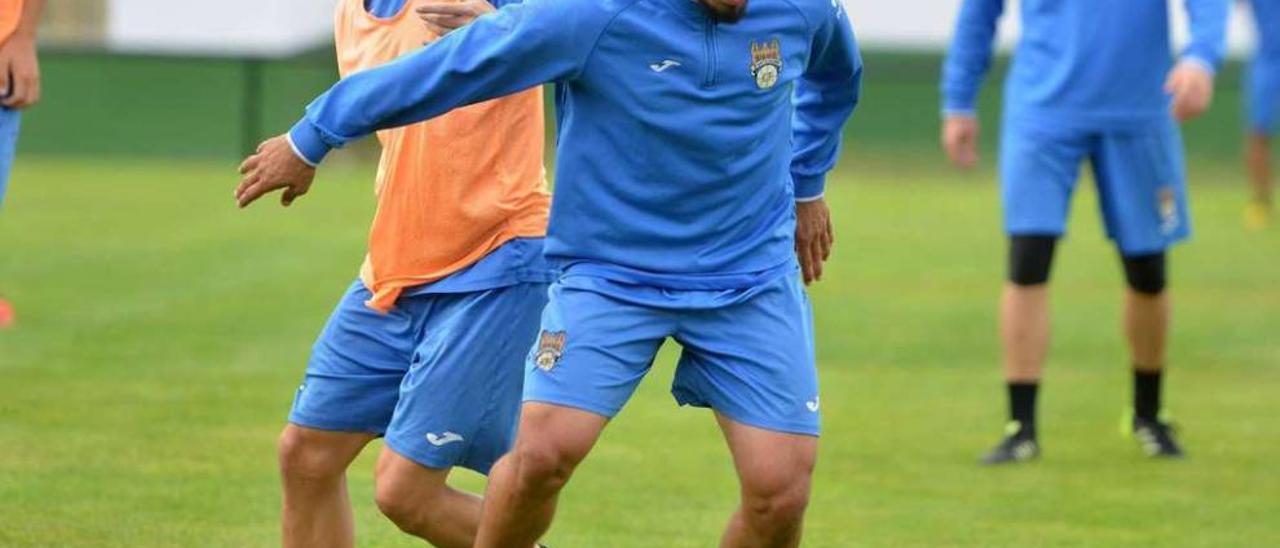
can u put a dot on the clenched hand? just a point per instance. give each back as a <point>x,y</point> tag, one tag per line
<point>1191,85</point>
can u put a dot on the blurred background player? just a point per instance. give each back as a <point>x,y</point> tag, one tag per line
<point>695,140</point>
<point>19,89</point>
<point>1090,80</point>
<point>426,348</point>
<point>1263,105</point>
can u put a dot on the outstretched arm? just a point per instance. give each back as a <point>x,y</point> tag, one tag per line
<point>512,49</point>
<point>967,63</point>
<point>824,98</point>
<point>19,67</point>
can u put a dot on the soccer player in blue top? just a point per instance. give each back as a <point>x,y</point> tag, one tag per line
<point>694,142</point>
<point>1263,110</point>
<point>1091,80</point>
<point>19,89</point>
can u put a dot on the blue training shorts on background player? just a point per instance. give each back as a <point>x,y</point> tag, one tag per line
<point>1140,178</point>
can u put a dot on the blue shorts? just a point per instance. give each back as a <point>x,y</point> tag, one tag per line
<point>9,122</point>
<point>1140,175</point>
<point>1263,94</point>
<point>440,375</point>
<point>1263,78</point>
<point>748,354</point>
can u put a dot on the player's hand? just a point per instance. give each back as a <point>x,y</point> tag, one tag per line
<point>19,72</point>
<point>814,236</point>
<point>445,16</point>
<point>1191,85</point>
<point>275,166</point>
<point>960,140</point>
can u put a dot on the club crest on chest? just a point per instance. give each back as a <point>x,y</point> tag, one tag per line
<point>766,62</point>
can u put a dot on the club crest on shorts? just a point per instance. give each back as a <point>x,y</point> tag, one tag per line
<point>766,62</point>
<point>550,348</point>
<point>1168,204</point>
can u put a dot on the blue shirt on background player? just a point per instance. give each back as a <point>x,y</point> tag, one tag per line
<point>1085,63</point>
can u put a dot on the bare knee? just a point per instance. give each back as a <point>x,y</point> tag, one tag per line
<point>413,511</point>
<point>776,500</point>
<point>541,468</point>
<point>306,458</point>
<point>776,510</point>
<point>552,441</point>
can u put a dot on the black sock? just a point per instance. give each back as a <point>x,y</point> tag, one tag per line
<point>1146,394</point>
<point>1022,405</point>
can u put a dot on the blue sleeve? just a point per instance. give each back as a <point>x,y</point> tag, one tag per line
<point>513,49</point>
<point>825,96</point>
<point>969,57</point>
<point>1208,32</point>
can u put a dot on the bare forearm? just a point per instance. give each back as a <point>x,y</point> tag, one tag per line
<point>30,19</point>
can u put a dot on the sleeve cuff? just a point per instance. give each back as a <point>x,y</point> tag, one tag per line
<point>949,112</point>
<point>1200,61</point>
<point>809,187</point>
<point>307,143</point>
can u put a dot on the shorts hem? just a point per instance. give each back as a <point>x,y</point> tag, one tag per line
<point>436,462</point>
<point>1139,251</point>
<point>335,426</point>
<point>761,423</point>
<point>1035,231</point>
<point>1262,130</point>
<point>573,404</point>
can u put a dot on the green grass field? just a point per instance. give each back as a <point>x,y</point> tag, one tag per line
<point>162,333</point>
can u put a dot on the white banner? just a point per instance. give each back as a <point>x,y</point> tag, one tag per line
<point>282,27</point>
<point>927,24</point>
<point>266,28</point>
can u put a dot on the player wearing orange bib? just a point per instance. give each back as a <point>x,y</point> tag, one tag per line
<point>426,348</point>
<point>19,88</point>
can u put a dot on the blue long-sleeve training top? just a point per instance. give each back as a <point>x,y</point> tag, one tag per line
<point>684,141</point>
<point>1087,63</point>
